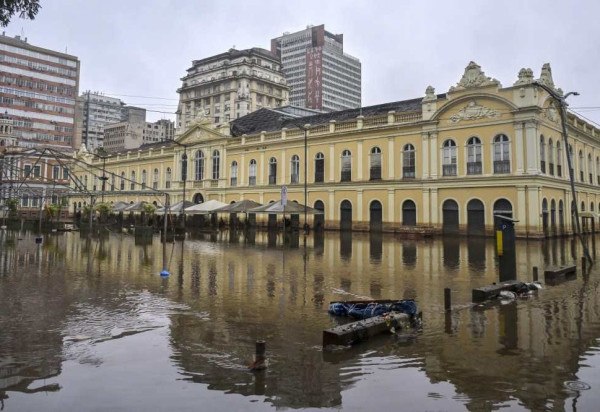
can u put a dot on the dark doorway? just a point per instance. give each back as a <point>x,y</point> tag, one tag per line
<point>450,216</point>
<point>475,218</point>
<point>545,216</point>
<point>409,213</point>
<point>502,207</point>
<point>375,216</point>
<point>198,198</point>
<point>319,219</point>
<point>346,215</point>
<point>553,217</point>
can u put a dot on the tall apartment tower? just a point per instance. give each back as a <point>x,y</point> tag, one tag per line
<point>320,75</point>
<point>94,111</point>
<point>230,85</point>
<point>38,89</point>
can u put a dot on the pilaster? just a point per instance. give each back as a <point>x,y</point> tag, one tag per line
<point>425,155</point>
<point>261,169</point>
<point>283,178</point>
<point>390,205</point>
<point>391,162</point>
<point>331,162</point>
<point>359,205</point>
<point>533,203</point>
<point>519,148</point>
<point>435,207</point>
<point>425,208</point>
<point>434,151</point>
<point>359,160</point>
<point>533,148</point>
<point>521,209</point>
<point>331,209</point>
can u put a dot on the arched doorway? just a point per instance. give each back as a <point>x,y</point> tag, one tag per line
<point>409,213</point>
<point>561,217</point>
<point>475,218</point>
<point>502,207</point>
<point>319,219</point>
<point>545,216</point>
<point>375,216</point>
<point>346,215</point>
<point>450,217</point>
<point>272,222</point>
<point>198,198</point>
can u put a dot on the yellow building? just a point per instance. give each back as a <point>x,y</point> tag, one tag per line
<point>444,162</point>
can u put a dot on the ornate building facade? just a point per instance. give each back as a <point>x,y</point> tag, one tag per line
<point>443,163</point>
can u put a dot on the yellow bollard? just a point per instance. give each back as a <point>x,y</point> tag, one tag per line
<point>499,248</point>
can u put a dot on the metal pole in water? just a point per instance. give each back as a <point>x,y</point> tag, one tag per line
<point>260,361</point>
<point>164,272</point>
<point>447,299</point>
<point>535,273</point>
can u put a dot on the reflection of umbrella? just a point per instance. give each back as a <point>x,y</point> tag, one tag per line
<point>120,206</point>
<point>210,206</point>
<point>136,207</point>
<point>176,208</point>
<point>239,207</point>
<point>292,208</point>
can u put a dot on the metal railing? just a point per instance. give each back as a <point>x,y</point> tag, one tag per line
<point>501,166</point>
<point>474,168</point>
<point>449,170</point>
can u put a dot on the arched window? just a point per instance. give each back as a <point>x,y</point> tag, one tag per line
<point>272,171</point>
<point>346,166</point>
<point>542,154</point>
<point>559,159</point>
<point>234,172</point>
<point>474,156</point>
<point>144,178</point>
<point>319,168</point>
<point>581,166</point>
<point>590,169</point>
<point>449,158</point>
<point>216,161</point>
<point>199,165</point>
<point>501,154</point>
<point>375,163</point>
<point>184,167</point>
<point>295,169</point>
<point>550,157</point>
<point>122,180</point>
<point>155,176</point>
<point>408,161</point>
<point>252,173</point>
<point>168,178</point>
<point>132,183</point>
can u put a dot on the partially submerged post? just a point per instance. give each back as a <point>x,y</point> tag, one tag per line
<point>505,243</point>
<point>165,272</point>
<point>447,299</point>
<point>260,359</point>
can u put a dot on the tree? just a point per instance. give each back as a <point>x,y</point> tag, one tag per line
<point>27,9</point>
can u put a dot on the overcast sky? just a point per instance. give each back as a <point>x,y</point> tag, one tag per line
<point>143,47</point>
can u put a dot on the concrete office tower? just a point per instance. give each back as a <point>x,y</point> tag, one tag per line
<point>230,85</point>
<point>320,75</point>
<point>133,131</point>
<point>94,111</point>
<point>38,89</point>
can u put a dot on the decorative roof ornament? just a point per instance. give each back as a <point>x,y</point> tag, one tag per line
<point>525,77</point>
<point>474,77</point>
<point>83,150</point>
<point>474,111</point>
<point>546,76</point>
<point>430,94</point>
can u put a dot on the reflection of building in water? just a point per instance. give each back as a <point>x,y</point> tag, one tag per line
<point>441,162</point>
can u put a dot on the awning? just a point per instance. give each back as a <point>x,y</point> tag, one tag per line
<point>174,209</point>
<point>239,207</point>
<point>210,206</point>
<point>292,208</point>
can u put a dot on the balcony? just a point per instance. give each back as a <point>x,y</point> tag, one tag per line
<point>272,179</point>
<point>474,168</point>
<point>375,173</point>
<point>449,170</point>
<point>252,181</point>
<point>295,178</point>
<point>591,179</point>
<point>551,168</point>
<point>501,166</point>
<point>319,176</point>
<point>543,166</point>
<point>559,171</point>
<point>346,176</point>
<point>233,181</point>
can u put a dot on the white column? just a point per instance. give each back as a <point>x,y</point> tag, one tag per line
<point>435,207</point>
<point>241,171</point>
<point>434,151</point>
<point>261,169</point>
<point>533,200</point>
<point>331,207</point>
<point>425,155</point>
<point>332,160</point>
<point>391,160</point>
<point>359,160</point>
<point>391,208</point>
<point>283,179</point>
<point>533,148</point>
<point>521,209</point>
<point>425,209</point>
<point>359,205</point>
<point>518,148</point>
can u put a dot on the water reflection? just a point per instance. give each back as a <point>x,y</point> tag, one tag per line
<point>225,293</point>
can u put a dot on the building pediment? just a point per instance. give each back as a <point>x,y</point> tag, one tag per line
<point>473,108</point>
<point>200,132</point>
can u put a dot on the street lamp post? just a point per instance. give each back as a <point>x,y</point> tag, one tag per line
<point>562,102</point>
<point>184,171</point>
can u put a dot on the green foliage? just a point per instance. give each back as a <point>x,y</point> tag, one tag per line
<point>149,209</point>
<point>27,9</point>
<point>51,210</point>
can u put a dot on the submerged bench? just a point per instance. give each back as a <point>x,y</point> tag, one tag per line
<point>362,330</point>
<point>492,291</point>
<point>557,274</point>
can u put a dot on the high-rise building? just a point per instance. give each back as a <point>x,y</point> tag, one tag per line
<point>133,131</point>
<point>94,111</point>
<point>320,75</point>
<point>230,85</point>
<point>38,89</point>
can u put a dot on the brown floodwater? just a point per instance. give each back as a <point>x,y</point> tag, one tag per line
<point>87,323</point>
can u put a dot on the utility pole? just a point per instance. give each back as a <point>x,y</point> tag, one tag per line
<point>562,102</point>
<point>87,120</point>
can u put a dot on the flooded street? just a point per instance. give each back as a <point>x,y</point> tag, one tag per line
<point>88,324</point>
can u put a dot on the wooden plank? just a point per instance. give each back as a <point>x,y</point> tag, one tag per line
<point>491,291</point>
<point>363,330</point>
